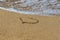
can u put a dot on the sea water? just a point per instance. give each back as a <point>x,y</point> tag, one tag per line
<point>35,7</point>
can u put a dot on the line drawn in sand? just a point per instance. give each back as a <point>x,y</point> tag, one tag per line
<point>34,21</point>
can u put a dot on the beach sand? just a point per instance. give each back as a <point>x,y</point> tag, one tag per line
<point>14,26</point>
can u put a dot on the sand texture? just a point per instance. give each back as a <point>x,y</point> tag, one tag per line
<point>15,26</point>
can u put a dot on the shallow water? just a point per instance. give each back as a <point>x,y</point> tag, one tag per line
<point>37,7</point>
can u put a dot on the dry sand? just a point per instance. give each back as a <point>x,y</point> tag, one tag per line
<point>12,28</point>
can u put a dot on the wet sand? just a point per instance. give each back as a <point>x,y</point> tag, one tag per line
<point>14,26</point>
